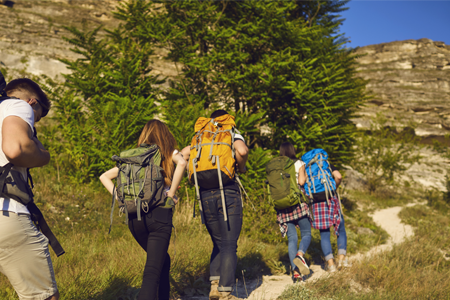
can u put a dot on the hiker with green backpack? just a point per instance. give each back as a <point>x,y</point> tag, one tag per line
<point>147,179</point>
<point>285,176</point>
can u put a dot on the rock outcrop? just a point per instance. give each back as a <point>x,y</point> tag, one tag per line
<point>410,79</point>
<point>32,30</point>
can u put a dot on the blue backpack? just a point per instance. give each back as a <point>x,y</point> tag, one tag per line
<point>318,171</point>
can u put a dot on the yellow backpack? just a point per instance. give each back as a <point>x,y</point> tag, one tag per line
<point>212,157</point>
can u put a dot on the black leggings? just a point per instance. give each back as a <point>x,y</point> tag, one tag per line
<point>153,235</point>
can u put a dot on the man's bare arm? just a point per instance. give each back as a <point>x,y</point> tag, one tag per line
<point>19,148</point>
<point>241,155</point>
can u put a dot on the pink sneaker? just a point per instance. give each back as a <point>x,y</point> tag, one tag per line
<point>296,277</point>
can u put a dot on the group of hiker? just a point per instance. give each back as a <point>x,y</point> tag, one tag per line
<point>302,191</point>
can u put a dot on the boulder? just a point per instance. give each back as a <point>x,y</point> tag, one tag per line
<point>353,180</point>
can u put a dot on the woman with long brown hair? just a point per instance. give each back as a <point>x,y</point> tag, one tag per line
<point>296,216</point>
<point>154,230</point>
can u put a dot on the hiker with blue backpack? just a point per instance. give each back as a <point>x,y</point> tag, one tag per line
<point>294,216</point>
<point>321,183</point>
<point>147,179</point>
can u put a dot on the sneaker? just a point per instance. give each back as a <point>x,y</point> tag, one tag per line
<point>301,265</point>
<point>214,294</point>
<point>296,277</point>
<point>332,269</point>
<point>343,263</point>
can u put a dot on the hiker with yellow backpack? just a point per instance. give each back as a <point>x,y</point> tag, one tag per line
<point>147,180</point>
<point>217,152</point>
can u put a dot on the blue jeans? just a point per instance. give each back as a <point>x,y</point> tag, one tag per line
<point>305,229</point>
<point>224,235</point>
<point>341,241</point>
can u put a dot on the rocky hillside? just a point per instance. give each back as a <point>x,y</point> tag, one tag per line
<point>32,30</point>
<point>408,79</point>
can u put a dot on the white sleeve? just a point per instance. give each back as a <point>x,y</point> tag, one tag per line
<point>237,136</point>
<point>298,164</point>
<point>21,109</point>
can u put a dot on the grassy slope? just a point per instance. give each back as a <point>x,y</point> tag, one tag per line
<point>101,266</point>
<point>416,269</point>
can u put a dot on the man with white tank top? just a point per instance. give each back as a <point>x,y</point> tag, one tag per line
<point>24,253</point>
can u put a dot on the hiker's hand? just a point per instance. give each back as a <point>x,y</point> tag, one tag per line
<point>174,198</point>
<point>239,170</point>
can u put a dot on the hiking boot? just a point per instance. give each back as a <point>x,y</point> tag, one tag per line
<point>331,269</point>
<point>296,277</point>
<point>343,263</point>
<point>214,294</point>
<point>301,265</point>
<point>228,296</point>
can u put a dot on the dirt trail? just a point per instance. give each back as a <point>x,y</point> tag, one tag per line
<point>270,287</point>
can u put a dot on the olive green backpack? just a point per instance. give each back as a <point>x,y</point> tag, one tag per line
<point>282,184</point>
<point>140,182</point>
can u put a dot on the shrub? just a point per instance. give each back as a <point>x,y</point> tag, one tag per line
<point>383,154</point>
<point>446,194</point>
<point>105,102</point>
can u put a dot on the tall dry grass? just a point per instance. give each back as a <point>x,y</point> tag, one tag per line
<point>102,266</point>
<point>418,268</point>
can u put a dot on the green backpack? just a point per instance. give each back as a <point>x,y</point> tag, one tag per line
<point>140,183</point>
<point>282,184</point>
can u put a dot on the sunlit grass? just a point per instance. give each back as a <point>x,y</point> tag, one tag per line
<point>418,268</point>
<point>103,266</point>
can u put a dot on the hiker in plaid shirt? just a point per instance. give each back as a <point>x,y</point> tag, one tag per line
<point>296,216</point>
<point>326,217</point>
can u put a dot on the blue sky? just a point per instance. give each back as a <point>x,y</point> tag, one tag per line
<point>374,22</point>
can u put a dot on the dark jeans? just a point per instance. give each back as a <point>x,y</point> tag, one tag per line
<point>224,234</point>
<point>153,235</point>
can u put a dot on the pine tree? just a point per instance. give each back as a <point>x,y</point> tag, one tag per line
<point>106,100</point>
<point>279,66</point>
<point>281,59</point>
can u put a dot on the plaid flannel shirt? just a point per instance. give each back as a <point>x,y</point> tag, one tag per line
<point>291,214</point>
<point>325,217</point>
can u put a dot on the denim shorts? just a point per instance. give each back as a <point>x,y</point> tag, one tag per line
<point>25,258</point>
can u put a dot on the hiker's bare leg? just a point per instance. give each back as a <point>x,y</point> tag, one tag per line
<point>341,256</point>
<point>54,297</point>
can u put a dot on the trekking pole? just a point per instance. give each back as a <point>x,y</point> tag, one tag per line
<point>242,187</point>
